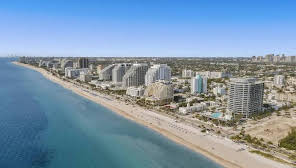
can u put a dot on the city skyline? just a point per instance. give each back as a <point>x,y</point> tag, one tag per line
<point>131,28</point>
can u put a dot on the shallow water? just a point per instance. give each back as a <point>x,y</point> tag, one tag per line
<point>43,125</point>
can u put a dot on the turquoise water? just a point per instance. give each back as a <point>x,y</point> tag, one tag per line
<point>216,115</point>
<point>43,125</point>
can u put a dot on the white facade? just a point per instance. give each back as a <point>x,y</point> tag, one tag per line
<point>84,77</point>
<point>135,76</point>
<point>106,73</point>
<point>135,91</point>
<point>158,72</point>
<point>279,80</point>
<point>214,75</point>
<point>245,96</point>
<point>191,109</point>
<point>118,72</point>
<point>219,91</point>
<point>75,73</point>
<point>188,73</point>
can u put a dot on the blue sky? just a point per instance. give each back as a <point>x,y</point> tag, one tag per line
<point>201,28</point>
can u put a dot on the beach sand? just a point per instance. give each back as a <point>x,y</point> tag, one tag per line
<point>220,150</point>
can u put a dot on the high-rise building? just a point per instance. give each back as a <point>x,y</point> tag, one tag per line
<point>290,59</point>
<point>135,76</point>
<point>158,72</point>
<point>83,63</point>
<point>279,80</point>
<point>187,73</point>
<point>106,73</point>
<point>118,72</point>
<point>100,68</point>
<point>245,96</point>
<point>199,84</point>
<point>269,57</point>
<point>66,64</point>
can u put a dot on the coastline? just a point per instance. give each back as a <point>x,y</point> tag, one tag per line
<point>208,145</point>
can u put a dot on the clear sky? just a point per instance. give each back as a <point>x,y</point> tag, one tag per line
<point>201,28</point>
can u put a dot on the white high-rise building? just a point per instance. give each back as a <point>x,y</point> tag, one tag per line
<point>135,76</point>
<point>279,80</point>
<point>199,84</point>
<point>66,63</point>
<point>187,73</point>
<point>245,96</point>
<point>106,73</point>
<point>118,72</point>
<point>158,72</point>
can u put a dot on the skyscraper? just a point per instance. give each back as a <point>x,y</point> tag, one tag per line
<point>135,76</point>
<point>118,72</point>
<point>83,63</point>
<point>66,63</point>
<point>158,72</point>
<point>106,73</point>
<point>199,84</point>
<point>245,96</point>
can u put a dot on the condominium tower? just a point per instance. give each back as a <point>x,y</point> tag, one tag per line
<point>106,73</point>
<point>199,84</point>
<point>187,73</point>
<point>118,72</point>
<point>245,96</point>
<point>83,63</point>
<point>135,76</point>
<point>158,72</point>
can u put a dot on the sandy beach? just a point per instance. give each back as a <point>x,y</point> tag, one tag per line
<point>221,150</point>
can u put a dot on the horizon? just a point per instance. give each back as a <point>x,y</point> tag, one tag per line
<point>147,29</point>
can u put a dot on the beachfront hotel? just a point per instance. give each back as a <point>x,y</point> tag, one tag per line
<point>119,71</point>
<point>75,73</point>
<point>159,93</point>
<point>245,96</point>
<point>106,73</point>
<point>158,72</point>
<point>65,63</point>
<point>135,76</point>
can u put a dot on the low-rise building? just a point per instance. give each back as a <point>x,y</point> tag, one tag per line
<point>159,93</point>
<point>219,91</point>
<point>84,77</point>
<point>214,75</point>
<point>191,109</point>
<point>74,73</point>
<point>135,91</point>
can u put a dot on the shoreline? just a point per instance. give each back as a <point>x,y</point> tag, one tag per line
<point>210,146</point>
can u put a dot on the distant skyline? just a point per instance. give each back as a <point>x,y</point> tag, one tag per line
<point>192,28</point>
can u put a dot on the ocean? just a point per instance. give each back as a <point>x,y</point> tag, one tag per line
<point>43,125</point>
